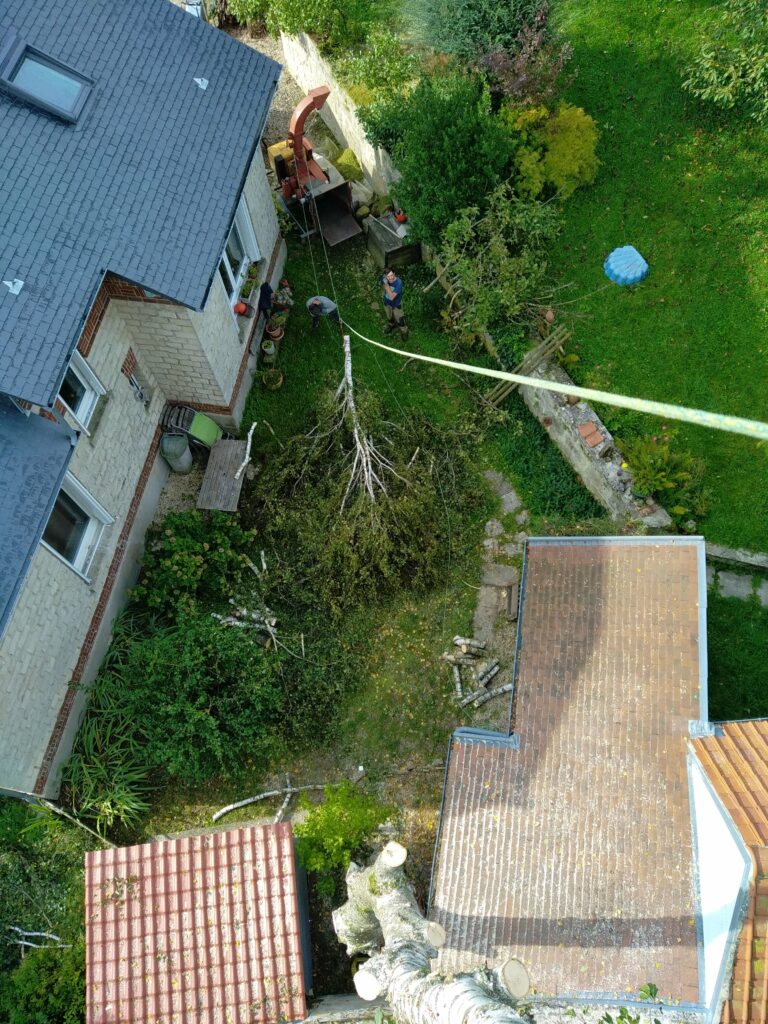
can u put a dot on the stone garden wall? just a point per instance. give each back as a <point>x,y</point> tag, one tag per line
<point>589,448</point>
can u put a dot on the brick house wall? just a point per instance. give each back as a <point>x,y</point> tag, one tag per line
<point>44,639</point>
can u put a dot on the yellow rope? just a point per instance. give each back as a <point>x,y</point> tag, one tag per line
<point>700,417</point>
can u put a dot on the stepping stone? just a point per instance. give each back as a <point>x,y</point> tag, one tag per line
<point>486,613</point>
<point>762,593</point>
<point>500,576</point>
<point>510,502</point>
<point>711,575</point>
<point>512,550</point>
<point>522,518</point>
<point>493,528</point>
<point>491,546</point>
<point>733,584</point>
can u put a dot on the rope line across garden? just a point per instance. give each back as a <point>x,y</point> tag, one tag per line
<point>699,417</point>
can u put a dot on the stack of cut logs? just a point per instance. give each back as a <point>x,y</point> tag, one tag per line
<point>470,656</point>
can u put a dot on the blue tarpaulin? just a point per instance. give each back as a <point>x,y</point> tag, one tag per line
<point>625,266</point>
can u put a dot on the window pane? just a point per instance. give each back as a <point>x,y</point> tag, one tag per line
<point>66,527</point>
<point>226,277</point>
<point>47,83</point>
<point>235,251</point>
<point>72,391</point>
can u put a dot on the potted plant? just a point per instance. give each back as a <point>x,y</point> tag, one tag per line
<point>268,351</point>
<point>253,272</point>
<point>272,379</point>
<point>275,326</point>
<point>247,288</point>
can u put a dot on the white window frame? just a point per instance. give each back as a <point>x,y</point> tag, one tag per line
<point>94,390</point>
<point>251,252</point>
<point>98,519</point>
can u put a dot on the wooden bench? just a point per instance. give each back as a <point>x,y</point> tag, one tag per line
<point>220,489</point>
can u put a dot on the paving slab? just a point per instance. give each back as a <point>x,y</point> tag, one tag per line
<point>711,575</point>
<point>493,528</point>
<point>734,584</point>
<point>510,502</point>
<point>762,593</point>
<point>500,575</point>
<point>486,613</point>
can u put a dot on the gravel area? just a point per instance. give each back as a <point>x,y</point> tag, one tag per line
<point>288,93</point>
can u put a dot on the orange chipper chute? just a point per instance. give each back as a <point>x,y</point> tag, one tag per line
<point>304,165</point>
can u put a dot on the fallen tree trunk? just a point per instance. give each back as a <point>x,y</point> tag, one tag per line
<point>382,917</point>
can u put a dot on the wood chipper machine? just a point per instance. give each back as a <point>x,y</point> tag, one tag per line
<point>317,199</point>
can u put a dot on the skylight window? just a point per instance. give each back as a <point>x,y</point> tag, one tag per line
<point>45,82</point>
<point>40,79</point>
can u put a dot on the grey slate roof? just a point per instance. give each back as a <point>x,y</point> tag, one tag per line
<point>145,184</point>
<point>34,455</point>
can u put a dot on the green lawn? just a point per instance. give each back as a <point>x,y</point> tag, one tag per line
<point>690,190</point>
<point>738,671</point>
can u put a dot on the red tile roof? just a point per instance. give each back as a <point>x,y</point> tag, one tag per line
<point>198,929</point>
<point>737,765</point>
<point>575,852</point>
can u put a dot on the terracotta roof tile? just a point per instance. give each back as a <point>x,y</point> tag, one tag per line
<point>554,852</point>
<point>736,762</point>
<point>200,928</point>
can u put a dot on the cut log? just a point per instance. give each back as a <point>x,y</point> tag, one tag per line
<point>487,695</point>
<point>381,909</point>
<point>484,677</point>
<point>467,643</point>
<point>457,681</point>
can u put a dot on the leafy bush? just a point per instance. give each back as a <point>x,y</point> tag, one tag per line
<point>558,150</point>
<point>190,559</point>
<point>382,119</point>
<point>48,987</point>
<point>248,12</point>
<point>659,468</point>
<point>497,262</point>
<point>333,25</point>
<point>731,69</point>
<point>41,889</point>
<point>450,152</point>
<point>529,74</point>
<point>383,65</point>
<point>339,828</point>
<point>470,28</point>
<point>337,560</point>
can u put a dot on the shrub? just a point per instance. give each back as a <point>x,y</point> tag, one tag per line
<point>498,263</point>
<point>348,166</point>
<point>192,558</point>
<point>530,73</point>
<point>339,828</point>
<point>450,152</point>
<point>382,120</point>
<point>470,28</point>
<point>557,151</point>
<point>731,69</point>
<point>384,65</point>
<point>659,468</point>
<point>48,987</point>
<point>206,697</point>
<point>248,12</point>
<point>333,25</point>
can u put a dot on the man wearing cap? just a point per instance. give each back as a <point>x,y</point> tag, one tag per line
<point>321,305</point>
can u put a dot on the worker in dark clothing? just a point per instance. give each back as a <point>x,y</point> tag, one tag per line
<point>393,303</point>
<point>321,305</point>
<point>265,300</point>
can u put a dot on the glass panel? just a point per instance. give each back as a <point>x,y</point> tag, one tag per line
<point>226,277</point>
<point>66,527</point>
<point>47,83</point>
<point>72,391</point>
<point>235,252</point>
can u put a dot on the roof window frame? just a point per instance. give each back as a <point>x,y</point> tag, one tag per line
<point>13,51</point>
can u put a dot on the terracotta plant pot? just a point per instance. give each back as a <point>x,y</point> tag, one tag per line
<point>273,379</point>
<point>275,333</point>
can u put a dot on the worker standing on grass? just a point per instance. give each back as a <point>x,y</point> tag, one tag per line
<point>393,302</point>
<point>321,305</point>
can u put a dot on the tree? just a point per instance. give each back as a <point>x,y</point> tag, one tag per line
<point>451,151</point>
<point>470,28</point>
<point>381,918</point>
<point>496,263</point>
<point>731,69</point>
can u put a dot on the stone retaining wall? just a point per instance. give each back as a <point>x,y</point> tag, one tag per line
<point>310,69</point>
<point>588,447</point>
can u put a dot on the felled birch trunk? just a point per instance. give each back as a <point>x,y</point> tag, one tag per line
<point>381,917</point>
